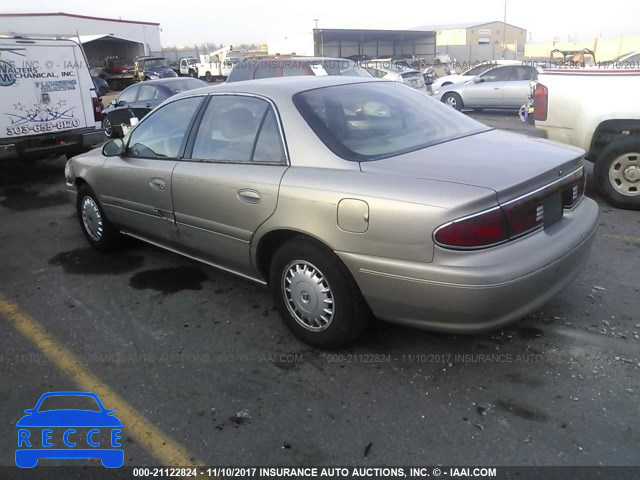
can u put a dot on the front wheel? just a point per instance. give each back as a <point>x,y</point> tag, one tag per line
<point>453,100</point>
<point>97,229</point>
<point>617,173</point>
<point>209,77</point>
<point>316,295</point>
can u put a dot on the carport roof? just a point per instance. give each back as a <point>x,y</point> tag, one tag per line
<point>90,38</point>
<point>363,35</point>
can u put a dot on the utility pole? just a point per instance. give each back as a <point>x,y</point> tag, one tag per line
<point>316,20</point>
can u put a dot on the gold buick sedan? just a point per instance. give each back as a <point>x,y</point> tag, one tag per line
<point>350,198</point>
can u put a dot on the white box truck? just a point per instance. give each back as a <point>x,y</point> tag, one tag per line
<point>48,103</point>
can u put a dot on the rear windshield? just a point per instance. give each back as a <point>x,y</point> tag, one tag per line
<point>182,85</point>
<point>371,121</point>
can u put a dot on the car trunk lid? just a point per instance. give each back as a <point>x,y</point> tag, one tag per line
<point>510,164</point>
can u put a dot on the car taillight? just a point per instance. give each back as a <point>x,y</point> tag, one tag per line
<point>97,110</point>
<point>572,194</point>
<point>540,102</point>
<point>524,215</point>
<point>480,230</point>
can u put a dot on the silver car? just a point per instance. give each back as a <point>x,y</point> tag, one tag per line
<point>391,70</point>
<point>349,197</point>
<point>505,86</point>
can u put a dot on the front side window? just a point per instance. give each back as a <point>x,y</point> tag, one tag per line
<point>370,121</point>
<point>160,134</point>
<point>498,74</point>
<point>241,129</point>
<point>129,95</point>
<point>147,92</point>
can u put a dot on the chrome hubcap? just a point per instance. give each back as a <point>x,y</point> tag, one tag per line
<point>91,218</point>
<point>624,174</point>
<point>451,101</point>
<point>106,125</point>
<point>308,295</point>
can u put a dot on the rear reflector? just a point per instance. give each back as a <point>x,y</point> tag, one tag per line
<point>481,230</point>
<point>572,194</point>
<point>540,102</point>
<point>97,110</point>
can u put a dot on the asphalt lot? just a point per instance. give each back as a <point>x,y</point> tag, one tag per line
<point>203,356</point>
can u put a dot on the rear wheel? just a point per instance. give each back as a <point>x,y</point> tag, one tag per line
<point>97,229</point>
<point>316,295</point>
<point>617,173</point>
<point>209,77</point>
<point>453,100</point>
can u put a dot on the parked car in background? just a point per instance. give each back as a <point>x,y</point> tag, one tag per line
<point>469,74</point>
<point>505,86</point>
<point>48,103</point>
<point>628,60</point>
<point>581,108</point>
<point>152,68</point>
<point>442,58</point>
<point>102,87</point>
<point>139,99</point>
<point>268,67</point>
<point>381,201</point>
<point>390,70</point>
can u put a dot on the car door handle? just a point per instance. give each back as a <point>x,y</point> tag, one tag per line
<point>496,88</point>
<point>249,195</point>
<point>157,183</point>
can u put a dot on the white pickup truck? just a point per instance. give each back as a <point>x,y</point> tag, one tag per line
<point>597,110</point>
<point>216,65</point>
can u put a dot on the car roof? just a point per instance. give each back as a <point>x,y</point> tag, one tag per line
<point>281,87</point>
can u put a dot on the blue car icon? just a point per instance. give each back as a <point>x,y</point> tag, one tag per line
<point>54,429</point>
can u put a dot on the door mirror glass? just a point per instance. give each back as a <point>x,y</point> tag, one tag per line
<point>113,148</point>
<point>478,79</point>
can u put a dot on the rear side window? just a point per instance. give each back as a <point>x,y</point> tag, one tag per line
<point>238,129</point>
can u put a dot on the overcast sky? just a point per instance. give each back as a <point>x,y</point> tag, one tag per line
<point>185,22</point>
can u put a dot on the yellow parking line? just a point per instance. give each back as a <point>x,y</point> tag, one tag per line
<point>151,438</point>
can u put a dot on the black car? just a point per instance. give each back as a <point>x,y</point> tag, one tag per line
<point>102,87</point>
<point>139,99</point>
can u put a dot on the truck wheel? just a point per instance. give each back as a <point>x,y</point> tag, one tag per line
<point>209,77</point>
<point>316,295</point>
<point>193,73</point>
<point>453,100</point>
<point>617,173</point>
<point>107,127</point>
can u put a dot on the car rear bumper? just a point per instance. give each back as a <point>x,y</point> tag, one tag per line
<point>59,143</point>
<point>468,292</point>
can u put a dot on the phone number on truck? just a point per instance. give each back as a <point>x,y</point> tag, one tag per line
<point>42,127</point>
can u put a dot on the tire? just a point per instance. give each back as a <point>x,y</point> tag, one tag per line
<point>209,77</point>
<point>310,269</point>
<point>108,127</point>
<point>617,173</point>
<point>453,100</point>
<point>193,73</point>
<point>97,229</point>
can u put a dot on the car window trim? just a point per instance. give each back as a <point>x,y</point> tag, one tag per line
<point>182,145</point>
<point>188,153</point>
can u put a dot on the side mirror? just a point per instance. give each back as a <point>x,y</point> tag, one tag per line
<point>477,80</point>
<point>29,411</point>
<point>113,148</point>
<point>114,102</point>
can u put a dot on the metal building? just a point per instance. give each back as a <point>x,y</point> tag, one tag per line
<point>374,43</point>
<point>101,37</point>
